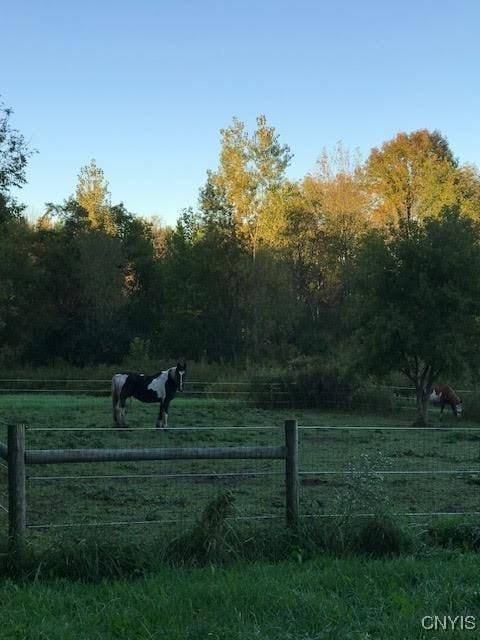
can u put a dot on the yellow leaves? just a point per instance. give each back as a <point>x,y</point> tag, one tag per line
<point>251,173</point>
<point>412,177</point>
<point>92,195</point>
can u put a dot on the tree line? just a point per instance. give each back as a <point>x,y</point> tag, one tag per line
<point>374,257</point>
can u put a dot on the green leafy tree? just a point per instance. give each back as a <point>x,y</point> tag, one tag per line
<point>416,307</point>
<point>57,282</point>
<point>19,310</point>
<point>180,326</point>
<point>14,155</point>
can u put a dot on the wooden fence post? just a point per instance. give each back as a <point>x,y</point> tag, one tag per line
<point>16,484</point>
<point>291,472</point>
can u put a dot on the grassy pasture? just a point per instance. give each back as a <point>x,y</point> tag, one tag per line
<point>309,597</point>
<point>151,496</point>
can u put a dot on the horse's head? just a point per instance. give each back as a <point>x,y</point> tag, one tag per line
<point>180,375</point>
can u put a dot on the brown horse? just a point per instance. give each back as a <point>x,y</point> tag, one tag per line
<point>442,394</point>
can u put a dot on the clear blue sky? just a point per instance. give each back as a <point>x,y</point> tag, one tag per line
<point>145,86</point>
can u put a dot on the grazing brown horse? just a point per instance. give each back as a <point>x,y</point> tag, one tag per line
<point>442,394</point>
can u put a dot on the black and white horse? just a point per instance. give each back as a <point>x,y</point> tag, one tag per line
<point>161,387</point>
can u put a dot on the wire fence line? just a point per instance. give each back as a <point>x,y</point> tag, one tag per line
<point>117,523</point>
<point>185,393</point>
<point>430,472</point>
<point>404,514</point>
<point>204,383</point>
<point>388,428</point>
<point>273,516</point>
<point>217,428</point>
<point>108,381</point>
<point>193,386</point>
<point>304,473</point>
<point>253,393</point>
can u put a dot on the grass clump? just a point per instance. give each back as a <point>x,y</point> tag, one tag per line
<point>88,559</point>
<point>212,539</point>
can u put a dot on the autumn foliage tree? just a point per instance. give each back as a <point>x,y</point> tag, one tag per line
<point>251,172</point>
<point>93,196</point>
<point>410,177</point>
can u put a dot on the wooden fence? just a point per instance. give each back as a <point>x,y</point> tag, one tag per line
<point>18,457</point>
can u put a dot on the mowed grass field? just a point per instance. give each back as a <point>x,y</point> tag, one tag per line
<point>172,494</point>
<point>309,597</point>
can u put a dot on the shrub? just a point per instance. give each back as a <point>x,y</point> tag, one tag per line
<point>306,381</point>
<point>364,522</point>
<point>379,536</point>
<point>453,534</point>
<point>317,382</point>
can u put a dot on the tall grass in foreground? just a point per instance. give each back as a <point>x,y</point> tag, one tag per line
<point>215,541</point>
<point>320,599</point>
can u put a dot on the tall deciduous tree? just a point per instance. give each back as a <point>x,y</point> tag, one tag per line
<point>411,177</point>
<point>417,301</point>
<point>337,199</point>
<point>252,169</point>
<point>93,196</point>
<point>251,173</point>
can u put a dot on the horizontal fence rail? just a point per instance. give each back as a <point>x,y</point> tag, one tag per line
<point>50,456</point>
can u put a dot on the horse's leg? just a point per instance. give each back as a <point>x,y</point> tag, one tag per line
<point>117,388</point>
<point>159,423</point>
<point>114,403</point>
<point>122,400</point>
<point>165,413</point>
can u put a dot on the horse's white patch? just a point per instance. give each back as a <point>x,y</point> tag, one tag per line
<point>119,380</point>
<point>458,409</point>
<point>158,385</point>
<point>435,397</point>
